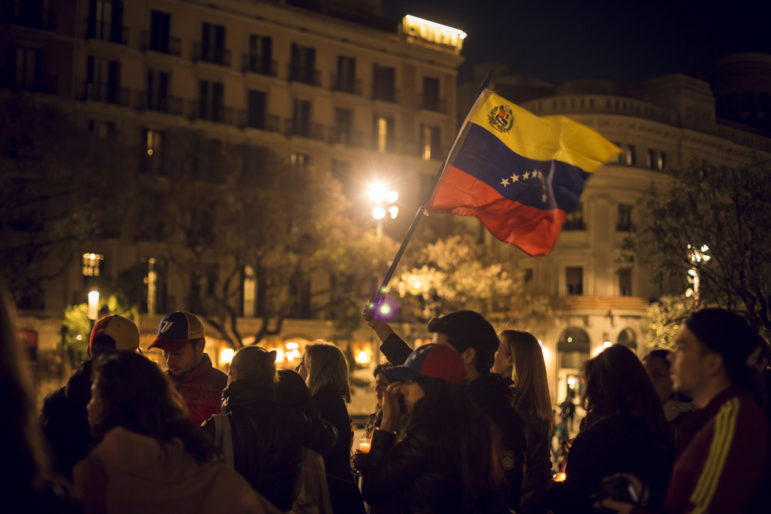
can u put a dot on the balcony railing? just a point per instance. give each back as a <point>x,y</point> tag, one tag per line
<point>219,56</point>
<point>28,15</point>
<point>306,130</point>
<point>435,105</point>
<point>105,93</point>
<point>106,31</point>
<point>254,64</point>
<point>170,45</point>
<point>304,75</point>
<point>268,122</point>
<point>345,85</point>
<point>24,80</point>
<point>386,94</point>
<point>216,113</point>
<point>169,104</point>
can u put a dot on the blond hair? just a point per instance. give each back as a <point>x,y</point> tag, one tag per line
<point>327,367</point>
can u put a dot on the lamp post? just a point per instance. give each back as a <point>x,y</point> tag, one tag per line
<point>384,204</point>
<point>93,306</point>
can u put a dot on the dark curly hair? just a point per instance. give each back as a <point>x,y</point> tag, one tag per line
<point>136,395</point>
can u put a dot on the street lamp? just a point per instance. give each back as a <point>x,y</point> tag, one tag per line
<point>93,306</point>
<point>384,204</point>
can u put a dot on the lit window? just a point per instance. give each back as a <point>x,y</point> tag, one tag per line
<point>299,159</point>
<point>92,263</point>
<point>661,162</point>
<point>382,134</point>
<point>629,156</point>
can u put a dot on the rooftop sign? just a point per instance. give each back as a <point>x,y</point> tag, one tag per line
<point>434,32</point>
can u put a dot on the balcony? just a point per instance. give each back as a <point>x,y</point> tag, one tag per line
<point>105,93</point>
<point>170,45</point>
<point>345,85</point>
<point>216,113</point>
<point>219,56</point>
<point>304,75</point>
<point>386,94</point>
<point>168,105</point>
<point>106,31</point>
<point>254,64</point>
<point>24,80</point>
<point>270,122</point>
<point>434,104</point>
<point>26,15</point>
<point>306,130</point>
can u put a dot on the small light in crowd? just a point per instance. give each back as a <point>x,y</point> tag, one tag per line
<point>386,309</point>
<point>560,477</point>
<point>226,355</point>
<point>378,213</point>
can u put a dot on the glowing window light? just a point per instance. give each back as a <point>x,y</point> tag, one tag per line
<point>363,357</point>
<point>292,345</point>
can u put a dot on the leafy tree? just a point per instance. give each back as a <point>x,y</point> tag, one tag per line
<point>664,318</point>
<point>78,327</point>
<point>55,188</point>
<point>713,224</point>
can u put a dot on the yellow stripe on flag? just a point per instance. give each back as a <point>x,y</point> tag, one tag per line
<point>542,139</point>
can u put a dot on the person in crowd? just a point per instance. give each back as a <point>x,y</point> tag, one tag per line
<point>474,338</point>
<point>27,479</point>
<point>381,384</point>
<point>532,401</point>
<point>264,438</point>
<point>625,431</point>
<point>657,366</point>
<point>503,364</point>
<point>151,456</point>
<point>721,467</point>
<point>441,460</point>
<point>63,417</point>
<point>293,393</point>
<point>182,338</point>
<point>325,370</point>
<point>568,409</point>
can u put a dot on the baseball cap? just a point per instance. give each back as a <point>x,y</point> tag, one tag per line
<point>431,360</point>
<point>176,330</point>
<point>122,331</point>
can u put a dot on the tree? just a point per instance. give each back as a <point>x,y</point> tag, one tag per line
<point>456,273</point>
<point>77,326</point>
<point>712,224</point>
<point>56,181</point>
<point>234,211</point>
<point>664,318</point>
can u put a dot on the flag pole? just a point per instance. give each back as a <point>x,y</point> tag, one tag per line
<point>421,210</point>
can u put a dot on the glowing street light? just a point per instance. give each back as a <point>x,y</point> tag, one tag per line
<point>384,200</point>
<point>93,305</point>
<point>697,256</point>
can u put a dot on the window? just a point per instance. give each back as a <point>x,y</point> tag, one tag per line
<point>650,159</point>
<point>27,74</point>
<point>575,219</point>
<point>249,292</point>
<point>92,264</point>
<point>625,282</point>
<point>661,162</point>
<point>299,159</point>
<point>574,278</point>
<point>343,121</point>
<point>346,74</point>
<point>383,83</point>
<point>303,65</point>
<point>102,129</point>
<point>429,142</point>
<point>105,21</point>
<point>260,58</point>
<point>160,25</point>
<point>624,221</point>
<point>431,94</point>
<point>256,109</point>
<point>210,100</point>
<point>384,133</point>
<point>527,276</point>
<point>629,155</point>
<point>301,118</point>
<point>103,81</point>
<point>213,44</point>
<point>157,90</point>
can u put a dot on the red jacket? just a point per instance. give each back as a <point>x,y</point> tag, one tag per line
<point>201,388</point>
<point>721,466</point>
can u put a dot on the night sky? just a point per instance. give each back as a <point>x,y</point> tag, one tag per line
<point>622,40</point>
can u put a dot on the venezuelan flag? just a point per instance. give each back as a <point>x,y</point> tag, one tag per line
<point>520,174</point>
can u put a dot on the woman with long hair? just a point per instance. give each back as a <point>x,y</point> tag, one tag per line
<point>441,458</point>
<point>531,399</point>
<point>152,457</point>
<point>325,370</point>
<point>624,432</point>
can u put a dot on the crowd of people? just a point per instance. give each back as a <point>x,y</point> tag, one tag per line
<point>463,424</point>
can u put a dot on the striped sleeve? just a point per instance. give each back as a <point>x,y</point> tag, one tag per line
<point>724,430</point>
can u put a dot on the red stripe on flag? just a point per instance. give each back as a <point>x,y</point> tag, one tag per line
<point>532,230</point>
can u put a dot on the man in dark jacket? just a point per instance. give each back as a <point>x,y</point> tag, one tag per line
<point>475,340</point>
<point>182,338</point>
<point>63,418</point>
